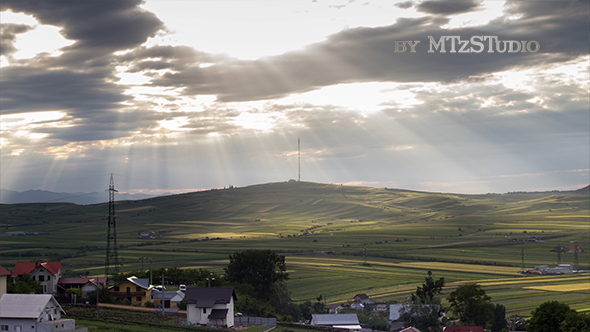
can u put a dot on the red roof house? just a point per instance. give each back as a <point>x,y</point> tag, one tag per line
<point>46,273</point>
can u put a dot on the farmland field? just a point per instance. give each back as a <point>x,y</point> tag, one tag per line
<point>338,240</point>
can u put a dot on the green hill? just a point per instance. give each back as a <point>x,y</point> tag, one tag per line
<point>339,240</point>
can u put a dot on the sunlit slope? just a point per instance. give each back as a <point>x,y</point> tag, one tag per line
<point>290,207</point>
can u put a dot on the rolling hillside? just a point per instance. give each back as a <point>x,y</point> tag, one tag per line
<point>339,240</point>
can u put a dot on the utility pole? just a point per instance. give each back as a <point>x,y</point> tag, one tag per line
<point>298,160</point>
<point>162,290</point>
<point>522,256</point>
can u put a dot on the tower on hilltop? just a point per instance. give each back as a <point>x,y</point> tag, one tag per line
<point>111,263</point>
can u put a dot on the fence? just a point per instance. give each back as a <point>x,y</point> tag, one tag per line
<point>255,320</point>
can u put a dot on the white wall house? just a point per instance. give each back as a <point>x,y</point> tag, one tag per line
<point>45,273</point>
<point>33,313</point>
<point>210,306</point>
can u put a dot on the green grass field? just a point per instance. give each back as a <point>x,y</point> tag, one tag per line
<point>328,233</point>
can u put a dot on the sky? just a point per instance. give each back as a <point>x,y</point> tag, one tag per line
<point>176,96</point>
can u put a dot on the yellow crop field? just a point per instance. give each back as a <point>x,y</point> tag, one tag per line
<point>463,267</point>
<point>563,288</point>
<point>533,280</point>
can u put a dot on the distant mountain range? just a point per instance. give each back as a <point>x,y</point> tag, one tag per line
<point>43,196</point>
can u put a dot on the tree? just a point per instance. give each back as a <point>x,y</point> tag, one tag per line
<point>429,290</point>
<point>425,311</point>
<point>471,304</point>
<point>24,285</point>
<point>548,317</point>
<point>424,317</point>
<point>576,322</point>
<point>259,268</point>
<point>499,321</point>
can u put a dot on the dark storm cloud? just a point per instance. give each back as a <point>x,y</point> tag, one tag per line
<point>8,34</point>
<point>81,81</point>
<point>447,7</point>
<point>104,26</point>
<point>369,55</point>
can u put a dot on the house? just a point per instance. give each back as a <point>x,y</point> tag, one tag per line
<point>341,321</point>
<point>4,273</point>
<point>335,309</point>
<point>357,305</point>
<point>86,285</point>
<point>463,329</point>
<point>363,298</point>
<point>45,273</point>
<point>210,306</point>
<point>136,290</point>
<point>381,307</point>
<point>170,298</point>
<point>33,312</point>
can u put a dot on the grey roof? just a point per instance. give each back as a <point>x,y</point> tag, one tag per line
<point>334,319</point>
<point>394,311</point>
<point>25,305</point>
<point>168,295</point>
<point>207,297</point>
<point>141,282</point>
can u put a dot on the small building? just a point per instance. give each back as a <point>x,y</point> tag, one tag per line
<point>45,273</point>
<point>560,269</point>
<point>357,305</point>
<point>136,290</point>
<point>335,309</point>
<point>33,312</point>
<point>210,306</point>
<point>340,321</point>
<point>4,273</point>
<point>86,285</point>
<point>363,298</point>
<point>171,299</point>
<point>395,322</point>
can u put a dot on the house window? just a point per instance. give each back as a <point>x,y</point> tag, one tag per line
<point>48,278</point>
<point>18,328</point>
<point>204,310</point>
<point>138,289</point>
<point>138,298</point>
<point>3,327</point>
<point>128,290</point>
<point>116,288</point>
<point>41,278</point>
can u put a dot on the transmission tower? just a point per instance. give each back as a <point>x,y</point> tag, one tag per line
<point>111,263</point>
<point>298,160</point>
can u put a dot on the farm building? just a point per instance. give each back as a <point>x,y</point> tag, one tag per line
<point>33,312</point>
<point>134,289</point>
<point>210,306</point>
<point>560,269</point>
<point>341,321</point>
<point>45,273</point>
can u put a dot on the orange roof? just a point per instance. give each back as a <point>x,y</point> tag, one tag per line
<point>28,267</point>
<point>4,271</point>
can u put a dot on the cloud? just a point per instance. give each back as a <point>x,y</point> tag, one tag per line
<point>102,26</point>
<point>8,33</point>
<point>447,7</point>
<point>369,55</point>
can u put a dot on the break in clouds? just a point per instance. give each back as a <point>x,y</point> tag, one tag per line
<point>430,120</point>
